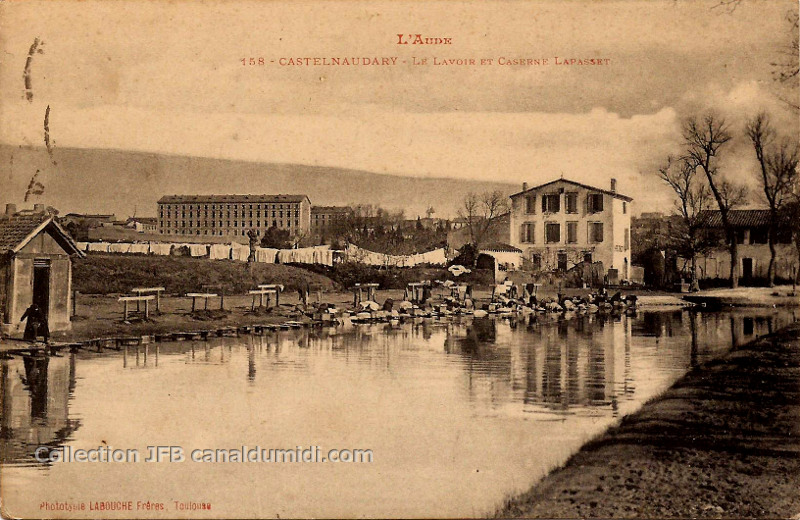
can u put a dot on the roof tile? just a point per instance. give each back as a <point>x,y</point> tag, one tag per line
<point>14,229</point>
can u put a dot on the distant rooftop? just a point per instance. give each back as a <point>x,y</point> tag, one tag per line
<point>330,209</point>
<point>579,184</point>
<point>737,218</point>
<point>89,215</point>
<point>177,199</point>
<point>499,247</point>
<point>17,230</point>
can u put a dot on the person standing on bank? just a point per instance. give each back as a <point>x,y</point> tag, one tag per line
<point>36,325</point>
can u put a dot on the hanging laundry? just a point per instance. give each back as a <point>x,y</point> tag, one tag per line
<point>198,249</point>
<point>266,255</point>
<point>157,248</point>
<point>219,252</point>
<point>139,248</point>
<point>98,247</point>
<point>239,252</point>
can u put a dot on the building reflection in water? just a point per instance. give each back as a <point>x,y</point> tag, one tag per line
<point>36,392</point>
<point>587,362</point>
<point>578,366</point>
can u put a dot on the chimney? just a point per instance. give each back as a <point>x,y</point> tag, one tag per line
<point>524,186</point>
<point>614,185</point>
<point>38,208</point>
<point>11,209</point>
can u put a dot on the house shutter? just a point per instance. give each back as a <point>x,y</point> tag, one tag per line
<point>598,232</point>
<point>522,235</point>
<point>544,203</point>
<point>599,204</point>
<point>557,198</point>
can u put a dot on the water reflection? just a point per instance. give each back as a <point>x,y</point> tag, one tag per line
<point>436,399</point>
<point>36,393</point>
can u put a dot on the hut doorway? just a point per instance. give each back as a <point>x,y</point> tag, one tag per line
<point>41,286</point>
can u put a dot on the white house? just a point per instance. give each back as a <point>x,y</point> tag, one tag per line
<point>563,223</point>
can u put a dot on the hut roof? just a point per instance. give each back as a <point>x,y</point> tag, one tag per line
<point>17,230</point>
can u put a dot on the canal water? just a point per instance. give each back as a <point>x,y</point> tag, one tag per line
<point>458,414</point>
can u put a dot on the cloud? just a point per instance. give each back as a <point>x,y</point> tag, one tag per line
<point>520,147</point>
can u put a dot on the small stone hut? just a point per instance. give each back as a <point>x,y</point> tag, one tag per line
<point>35,267</point>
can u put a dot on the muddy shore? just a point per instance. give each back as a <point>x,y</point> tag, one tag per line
<point>101,316</point>
<point>723,442</point>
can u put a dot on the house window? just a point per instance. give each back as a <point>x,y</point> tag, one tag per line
<point>552,233</point>
<point>536,260</point>
<point>572,232</point>
<point>530,204</point>
<point>740,236</point>
<point>595,202</point>
<point>571,201</point>
<point>624,207</point>
<point>551,203</point>
<point>527,233</point>
<point>595,232</point>
<point>759,236</point>
<point>627,238</point>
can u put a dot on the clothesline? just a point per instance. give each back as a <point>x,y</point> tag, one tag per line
<point>323,255</point>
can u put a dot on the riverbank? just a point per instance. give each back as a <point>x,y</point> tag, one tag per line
<point>722,442</point>
<point>101,315</point>
<point>779,296</point>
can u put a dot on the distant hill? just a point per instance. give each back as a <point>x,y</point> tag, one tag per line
<point>117,181</point>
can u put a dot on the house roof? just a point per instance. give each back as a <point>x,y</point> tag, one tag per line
<point>584,186</point>
<point>330,209</point>
<point>500,247</point>
<point>738,218</point>
<point>87,215</point>
<point>176,199</point>
<point>17,230</point>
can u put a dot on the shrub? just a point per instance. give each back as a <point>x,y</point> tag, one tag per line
<point>103,274</point>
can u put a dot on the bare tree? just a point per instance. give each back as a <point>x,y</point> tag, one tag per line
<point>786,70</point>
<point>704,141</point>
<point>479,212</point>
<point>777,173</point>
<point>693,197</point>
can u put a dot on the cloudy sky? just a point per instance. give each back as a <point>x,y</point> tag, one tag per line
<point>168,77</point>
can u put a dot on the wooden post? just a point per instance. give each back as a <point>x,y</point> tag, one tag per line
<point>277,297</point>
<point>193,300</point>
<point>158,301</point>
<point>222,298</point>
<point>147,309</point>
<point>126,310</point>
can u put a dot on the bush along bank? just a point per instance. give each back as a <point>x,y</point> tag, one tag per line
<point>106,274</point>
<point>722,442</point>
<point>347,274</point>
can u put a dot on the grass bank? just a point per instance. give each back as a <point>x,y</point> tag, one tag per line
<point>723,442</point>
<point>106,274</point>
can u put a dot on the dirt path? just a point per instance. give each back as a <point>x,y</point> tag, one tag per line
<point>723,442</point>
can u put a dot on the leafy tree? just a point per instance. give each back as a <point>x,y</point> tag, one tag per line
<point>276,238</point>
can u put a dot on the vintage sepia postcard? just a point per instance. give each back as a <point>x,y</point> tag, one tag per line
<point>399,259</point>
